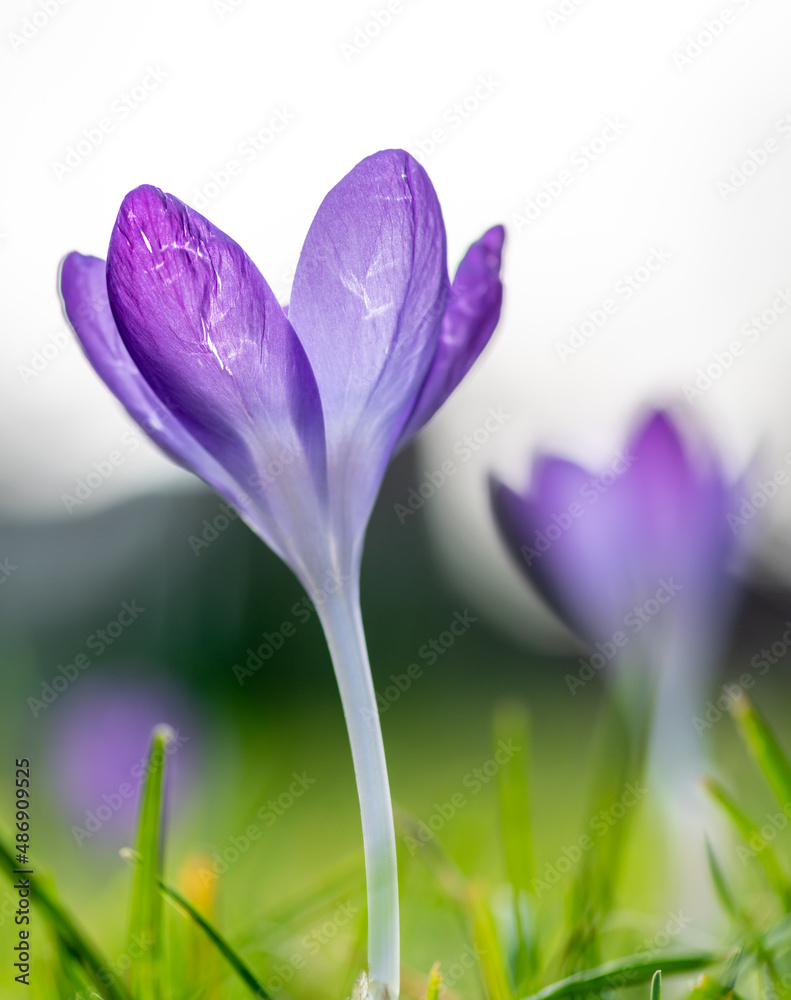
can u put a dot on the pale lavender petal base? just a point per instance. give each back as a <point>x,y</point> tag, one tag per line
<point>364,304</point>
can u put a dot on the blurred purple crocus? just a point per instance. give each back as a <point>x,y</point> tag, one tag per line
<point>100,746</point>
<point>293,417</point>
<point>634,559</point>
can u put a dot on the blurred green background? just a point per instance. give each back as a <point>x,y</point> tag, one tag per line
<point>242,744</point>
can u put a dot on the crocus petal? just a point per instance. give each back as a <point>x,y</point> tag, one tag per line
<point>663,478</point>
<point>610,553</point>
<point>570,551</point>
<point>207,334</point>
<point>682,499</point>
<point>366,303</point>
<point>84,290</point>
<point>469,321</point>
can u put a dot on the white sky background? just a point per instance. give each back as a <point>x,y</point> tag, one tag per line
<point>225,73</point>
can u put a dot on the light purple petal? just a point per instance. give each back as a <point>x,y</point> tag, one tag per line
<point>101,740</point>
<point>650,541</point>
<point>564,534</point>
<point>682,501</point>
<point>663,480</point>
<point>365,306</point>
<point>84,289</point>
<point>209,337</point>
<point>469,321</point>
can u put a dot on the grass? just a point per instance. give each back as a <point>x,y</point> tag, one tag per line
<point>507,880</point>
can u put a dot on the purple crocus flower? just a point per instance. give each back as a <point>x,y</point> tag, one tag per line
<point>634,560</point>
<point>101,744</point>
<point>294,417</point>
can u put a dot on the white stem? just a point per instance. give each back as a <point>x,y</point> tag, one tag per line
<point>340,615</point>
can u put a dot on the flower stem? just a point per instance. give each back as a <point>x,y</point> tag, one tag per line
<point>342,620</point>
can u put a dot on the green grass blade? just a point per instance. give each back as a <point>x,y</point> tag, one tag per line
<point>492,969</point>
<point>761,742</point>
<point>344,880</point>
<point>779,937</point>
<point>434,983</point>
<point>724,894</point>
<point>753,940</point>
<point>68,936</point>
<point>512,726</point>
<point>236,962</point>
<point>68,977</point>
<point>618,760</point>
<point>656,986</point>
<point>750,832</point>
<point>145,924</point>
<point>625,972</point>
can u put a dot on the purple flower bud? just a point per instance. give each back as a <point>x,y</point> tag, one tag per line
<point>635,556</point>
<point>186,332</point>
<point>184,329</point>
